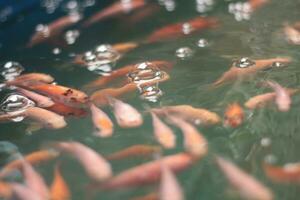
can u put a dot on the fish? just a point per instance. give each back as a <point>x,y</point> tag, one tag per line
<point>22,192</point>
<point>61,94</point>
<point>189,113</point>
<point>256,4</point>
<point>169,187</point>
<point>138,150</point>
<point>94,164</point>
<point>176,30</point>
<point>6,190</point>
<point>30,78</point>
<point>289,173</point>
<point>150,196</point>
<point>45,117</point>
<point>262,100</point>
<point>141,14</point>
<point>59,189</point>
<point>117,8</point>
<point>246,185</point>
<point>99,98</point>
<point>240,73</point>
<point>66,110</point>
<point>194,141</point>
<point>117,74</point>
<point>146,173</point>
<point>103,124</point>
<point>292,34</point>
<point>126,115</point>
<point>53,29</point>
<point>163,133</point>
<point>282,98</point>
<point>234,115</point>
<point>33,158</point>
<point>34,180</point>
<point>40,100</point>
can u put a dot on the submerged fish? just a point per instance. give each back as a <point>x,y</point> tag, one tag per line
<point>40,100</point>
<point>234,115</point>
<point>96,167</point>
<point>243,71</point>
<point>190,114</point>
<point>102,122</point>
<point>150,196</point>
<point>289,173</point>
<point>256,4</point>
<point>169,187</point>
<point>46,118</point>
<point>177,30</point>
<point>292,33</point>
<point>246,185</point>
<point>32,158</point>
<point>138,150</point>
<point>66,110</point>
<point>118,8</point>
<point>147,173</point>
<point>163,133</point>
<point>126,115</point>
<point>30,78</point>
<point>6,190</point>
<point>22,192</point>
<point>59,189</point>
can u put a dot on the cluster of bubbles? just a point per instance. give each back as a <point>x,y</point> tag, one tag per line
<point>244,62</point>
<point>147,76</point>
<point>184,53</point>
<point>16,104</point>
<point>71,36</point>
<point>170,5</point>
<point>51,5</point>
<point>70,6</point>
<point>102,59</point>
<point>43,30</point>
<point>240,10</point>
<point>11,70</point>
<point>203,6</point>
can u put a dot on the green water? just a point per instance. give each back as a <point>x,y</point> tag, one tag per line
<point>259,38</point>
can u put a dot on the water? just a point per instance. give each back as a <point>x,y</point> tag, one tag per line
<point>252,34</point>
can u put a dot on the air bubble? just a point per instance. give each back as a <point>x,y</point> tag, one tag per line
<point>11,70</point>
<point>244,63</point>
<point>71,36</point>
<point>202,43</point>
<point>15,103</point>
<point>184,53</point>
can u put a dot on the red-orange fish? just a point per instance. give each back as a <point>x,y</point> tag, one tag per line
<point>240,73</point>
<point>149,172</point>
<point>53,29</point>
<point>247,186</point>
<point>163,133</point>
<point>62,94</point>
<point>102,122</point>
<point>30,78</point>
<point>289,173</point>
<point>46,118</point>
<point>118,8</point>
<point>234,115</point>
<point>96,167</point>
<point>138,150</point>
<point>59,189</point>
<point>174,31</point>
<point>40,100</point>
<point>6,191</point>
<point>150,196</point>
<point>66,110</point>
<point>256,4</point>
<point>32,158</point>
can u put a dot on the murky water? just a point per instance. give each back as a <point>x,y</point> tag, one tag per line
<point>200,59</point>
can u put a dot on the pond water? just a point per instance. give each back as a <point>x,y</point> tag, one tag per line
<point>199,60</point>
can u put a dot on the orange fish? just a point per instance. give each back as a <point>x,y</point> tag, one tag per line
<point>169,187</point>
<point>126,115</point>
<point>66,110</point>
<point>46,118</point>
<point>40,100</point>
<point>32,158</point>
<point>30,78</point>
<point>256,4</point>
<point>118,74</point>
<point>292,33</point>
<point>290,173</point>
<point>177,30</point>
<point>240,73</point>
<point>115,9</point>
<point>194,142</point>
<point>23,192</point>
<point>147,173</point>
<point>150,196</point>
<point>6,191</point>
<point>262,100</point>
<point>138,150</point>
<point>53,29</point>
<point>99,98</point>
<point>96,167</point>
<point>234,115</point>
<point>102,122</point>
<point>190,114</point>
<point>62,94</point>
<point>59,188</point>
<point>247,186</point>
<point>163,133</point>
